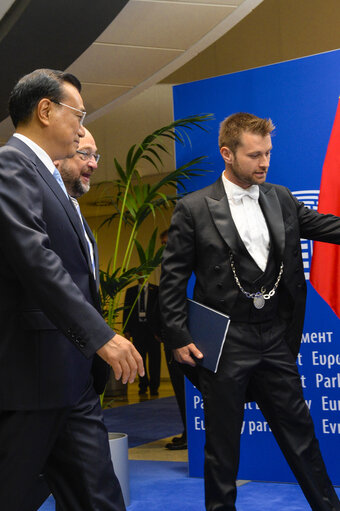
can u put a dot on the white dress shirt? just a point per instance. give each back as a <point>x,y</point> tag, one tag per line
<point>249,220</point>
<point>42,155</point>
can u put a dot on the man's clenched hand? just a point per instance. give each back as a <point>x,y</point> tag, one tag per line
<point>184,354</point>
<point>123,357</point>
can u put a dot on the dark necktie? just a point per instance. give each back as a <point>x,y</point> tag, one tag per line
<point>142,313</point>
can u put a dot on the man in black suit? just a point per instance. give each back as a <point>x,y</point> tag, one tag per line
<point>241,238</point>
<point>176,374</point>
<point>142,318</point>
<point>52,329</point>
<point>76,173</point>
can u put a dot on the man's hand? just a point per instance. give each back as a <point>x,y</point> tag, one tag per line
<point>183,355</point>
<point>123,357</point>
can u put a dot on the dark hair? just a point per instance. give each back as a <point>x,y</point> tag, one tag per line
<point>233,126</point>
<point>31,88</point>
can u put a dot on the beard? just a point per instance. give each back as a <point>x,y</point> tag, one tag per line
<point>78,188</point>
<point>74,185</point>
<point>243,178</point>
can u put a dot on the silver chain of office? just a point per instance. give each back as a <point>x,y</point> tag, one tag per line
<point>260,296</point>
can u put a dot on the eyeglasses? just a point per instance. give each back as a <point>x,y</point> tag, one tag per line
<point>86,156</point>
<point>83,114</point>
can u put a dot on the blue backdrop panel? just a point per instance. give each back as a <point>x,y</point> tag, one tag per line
<point>301,97</point>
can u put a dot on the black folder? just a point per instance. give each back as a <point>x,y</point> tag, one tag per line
<point>208,329</point>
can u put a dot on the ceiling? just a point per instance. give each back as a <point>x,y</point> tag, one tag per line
<point>145,42</point>
<point>37,34</point>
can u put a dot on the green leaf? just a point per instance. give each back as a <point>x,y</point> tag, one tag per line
<point>141,253</point>
<point>120,171</point>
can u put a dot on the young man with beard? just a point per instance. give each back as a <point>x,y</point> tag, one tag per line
<point>241,238</point>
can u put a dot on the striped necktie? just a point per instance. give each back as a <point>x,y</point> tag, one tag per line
<point>89,244</point>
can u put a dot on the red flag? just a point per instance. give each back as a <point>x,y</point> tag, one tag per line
<point>325,271</point>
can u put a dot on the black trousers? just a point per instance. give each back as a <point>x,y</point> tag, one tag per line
<point>150,350</point>
<point>177,381</point>
<point>69,446</point>
<point>259,355</point>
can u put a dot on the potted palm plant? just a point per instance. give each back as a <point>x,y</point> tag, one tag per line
<point>134,201</point>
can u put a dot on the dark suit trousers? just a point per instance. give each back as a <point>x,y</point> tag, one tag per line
<point>70,446</point>
<point>148,347</point>
<point>259,354</point>
<point>177,380</point>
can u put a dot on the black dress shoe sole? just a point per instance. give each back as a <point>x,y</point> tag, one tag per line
<point>176,447</point>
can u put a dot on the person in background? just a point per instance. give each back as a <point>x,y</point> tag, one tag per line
<point>52,330</point>
<point>241,238</point>
<point>177,380</point>
<point>77,171</point>
<point>142,325</point>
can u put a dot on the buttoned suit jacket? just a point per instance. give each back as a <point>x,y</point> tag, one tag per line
<point>201,236</point>
<point>50,320</point>
<point>152,310</point>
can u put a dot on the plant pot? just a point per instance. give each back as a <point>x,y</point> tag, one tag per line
<point>119,455</point>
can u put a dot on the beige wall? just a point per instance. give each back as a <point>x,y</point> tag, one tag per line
<point>277,30</point>
<point>127,125</point>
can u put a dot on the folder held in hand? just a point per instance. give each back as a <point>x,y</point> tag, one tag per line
<point>208,329</point>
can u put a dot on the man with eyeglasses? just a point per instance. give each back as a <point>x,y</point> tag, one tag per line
<point>77,171</point>
<point>51,327</point>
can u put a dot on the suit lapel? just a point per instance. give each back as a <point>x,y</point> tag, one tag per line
<point>218,205</point>
<point>56,189</point>
<point>272,211</point>
<point>68,206</point>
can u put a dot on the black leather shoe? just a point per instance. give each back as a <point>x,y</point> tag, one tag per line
<point>179,439</point>
<point>176,447</point>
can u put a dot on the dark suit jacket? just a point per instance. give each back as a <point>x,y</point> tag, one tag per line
<point>201,235</point>
<point>152,310</point>
<point>50,318</point>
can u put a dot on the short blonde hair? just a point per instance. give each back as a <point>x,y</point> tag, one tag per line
<point>233,126</point>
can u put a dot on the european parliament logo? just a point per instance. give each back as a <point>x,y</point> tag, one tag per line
<point>310,198</point>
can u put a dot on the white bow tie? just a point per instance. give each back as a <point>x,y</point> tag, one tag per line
<point>252,192</point>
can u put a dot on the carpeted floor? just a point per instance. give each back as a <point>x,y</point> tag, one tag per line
<point>156,485</point>
<point>145,422</point>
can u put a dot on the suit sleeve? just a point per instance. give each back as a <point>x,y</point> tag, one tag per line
<point>26,248</point>
<point>177,267</point>
<point>317,226</point>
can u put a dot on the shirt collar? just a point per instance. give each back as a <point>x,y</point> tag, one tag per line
<point>230,188</point>
<point>42,155</point>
